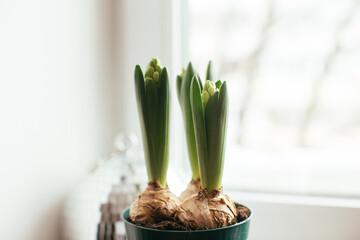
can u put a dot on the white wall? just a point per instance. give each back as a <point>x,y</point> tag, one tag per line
<point>66,88</point>
<point>148,29</point>
<point>56,113</point>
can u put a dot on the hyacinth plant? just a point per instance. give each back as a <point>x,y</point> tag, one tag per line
<point>210,208</point>
<point>152,95</point>
<point>209,108</point>
<point>183,83</point>
<point>157,202</point>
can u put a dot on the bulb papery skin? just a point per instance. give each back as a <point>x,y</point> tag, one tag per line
<point>192,188</point>
<point>207,210</point>
<point>154,204</point>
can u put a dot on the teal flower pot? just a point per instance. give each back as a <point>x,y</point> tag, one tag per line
<point>238,231</point>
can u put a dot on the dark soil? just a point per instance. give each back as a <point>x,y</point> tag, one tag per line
<point>242,214</point>
<point>163,225</point>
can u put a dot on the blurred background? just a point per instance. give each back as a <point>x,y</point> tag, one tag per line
<point>295,90</point>
<point>66,91</point>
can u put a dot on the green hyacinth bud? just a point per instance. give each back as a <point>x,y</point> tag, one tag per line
<point>153,70</point>
<point>208,90</point>
<point>156,77</point>
<point>183,72</point>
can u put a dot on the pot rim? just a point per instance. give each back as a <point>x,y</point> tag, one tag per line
<point>177,231</point>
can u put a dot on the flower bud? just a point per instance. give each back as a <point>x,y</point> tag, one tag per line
<point>183,72</point>
<point>209,84</point>
<point>208,90</point>
<point>205,96</point>
<point>153,70</point>
<point>156,76</point>
<point>150,71</point>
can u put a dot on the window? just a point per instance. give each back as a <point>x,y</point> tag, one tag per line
<point>292,67</point>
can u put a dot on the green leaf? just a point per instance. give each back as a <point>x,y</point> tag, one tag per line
<point>139,87</point>
<point>199,129</point>
<point>216,123</point>
<point>153,105</point>
<point>163,126</point>
<point>184,100</point>
<point>218,84</point>
<point>190,132</point>
<point>142,110</point>
<point>210,75</point>
<point>178,86</point>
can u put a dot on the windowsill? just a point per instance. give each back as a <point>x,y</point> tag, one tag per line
<point>240,197</point>
<point>283,217</point>
<point>294,172</point>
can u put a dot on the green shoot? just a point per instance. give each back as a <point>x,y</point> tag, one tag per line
<point>183,83</point>
<point>209,109</point>
<point>153,98</point>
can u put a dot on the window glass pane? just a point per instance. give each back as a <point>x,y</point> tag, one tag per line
<point>294,77</point>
